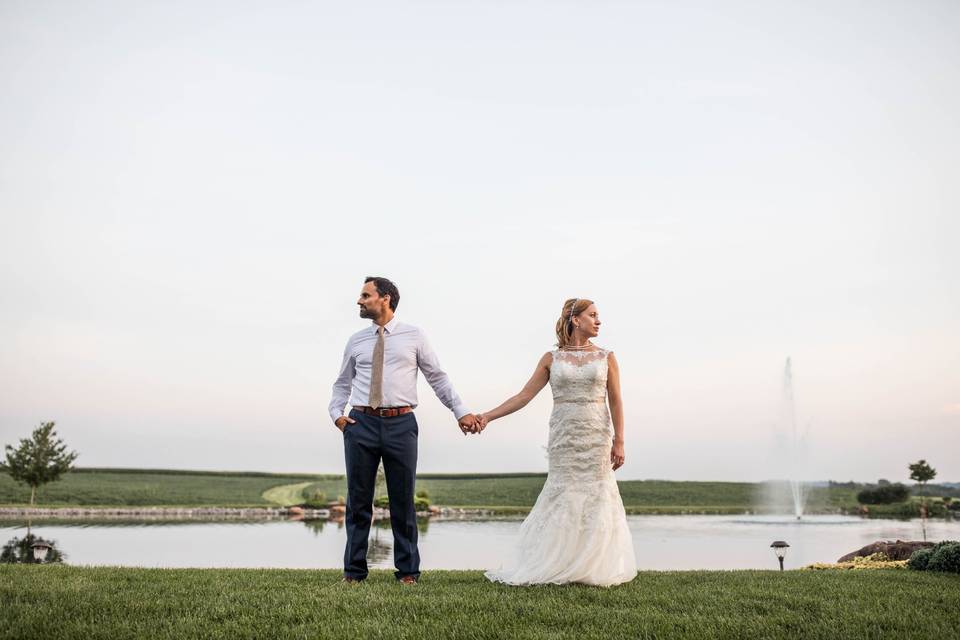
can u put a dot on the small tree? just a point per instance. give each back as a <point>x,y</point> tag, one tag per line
<point>922,472</point>
<point>42,458</point>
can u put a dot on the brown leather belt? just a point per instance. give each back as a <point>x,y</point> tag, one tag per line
<point>385,412</point>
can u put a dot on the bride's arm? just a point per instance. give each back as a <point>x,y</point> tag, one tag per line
<point>537,381</point>
<point>616,411</point>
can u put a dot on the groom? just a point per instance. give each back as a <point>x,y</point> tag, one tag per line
<point>378,376</point>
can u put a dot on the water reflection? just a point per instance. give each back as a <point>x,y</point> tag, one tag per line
<point>380,544</point>
<point>661,542</point>
<point>317,526</point>
<point>379,548</point>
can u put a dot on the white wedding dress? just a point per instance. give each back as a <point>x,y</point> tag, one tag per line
<point>577,530</point>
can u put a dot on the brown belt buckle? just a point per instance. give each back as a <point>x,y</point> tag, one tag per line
<point>393,412</point>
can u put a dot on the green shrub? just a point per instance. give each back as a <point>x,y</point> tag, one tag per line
<point>884,494</point>
<point>422,500</point>
<point>420,504</point>
<point>946,557</point>
<point>936,509</point>
<point>315,498</point>
<point>919,559</point>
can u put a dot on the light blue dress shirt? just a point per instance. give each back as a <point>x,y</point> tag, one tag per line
<point>405,351</point>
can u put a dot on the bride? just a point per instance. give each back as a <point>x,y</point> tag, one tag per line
<point>577,530</point>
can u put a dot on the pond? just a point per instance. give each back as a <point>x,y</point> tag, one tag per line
<point>661,542</point>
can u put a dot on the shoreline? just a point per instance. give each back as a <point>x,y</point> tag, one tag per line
<point>107,513</point>
<point>219,513</point>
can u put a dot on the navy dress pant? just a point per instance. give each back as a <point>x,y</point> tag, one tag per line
<point>365,442</point>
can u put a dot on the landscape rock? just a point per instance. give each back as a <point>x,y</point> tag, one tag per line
<point>898,550</point>
<point>335,512</point>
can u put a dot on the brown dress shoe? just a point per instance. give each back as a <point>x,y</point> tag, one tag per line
<point>349,580</point>
<point>407,580</point>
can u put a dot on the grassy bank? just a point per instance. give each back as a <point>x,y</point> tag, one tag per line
<point>639,496</point>
<point>71,602</point>
<point>506,492</point>
<point>152,488</point>
<point>910,508</point>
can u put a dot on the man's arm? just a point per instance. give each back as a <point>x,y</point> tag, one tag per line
<point>437,378</point>
<point>341,386</point>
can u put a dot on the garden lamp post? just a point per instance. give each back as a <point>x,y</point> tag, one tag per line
<point>780,548</point>
<point>40,549</point>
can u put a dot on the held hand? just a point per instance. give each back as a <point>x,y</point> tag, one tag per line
<point>468,424</point>
<point>481,422</point>
<point>343,421</point>
<point>616,455</point>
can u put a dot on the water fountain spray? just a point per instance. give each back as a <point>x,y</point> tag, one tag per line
<point>795,441</point>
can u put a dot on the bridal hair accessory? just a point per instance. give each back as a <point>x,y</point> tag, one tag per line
<point>572,307</point>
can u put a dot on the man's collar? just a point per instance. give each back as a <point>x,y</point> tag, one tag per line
<point>387,328</point>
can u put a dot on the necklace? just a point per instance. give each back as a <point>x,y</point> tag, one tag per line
<point>578,347</point>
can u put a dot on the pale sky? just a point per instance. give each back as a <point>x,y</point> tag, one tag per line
<point>192,193</point>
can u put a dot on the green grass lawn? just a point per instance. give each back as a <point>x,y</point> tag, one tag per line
<point>286,494</point>
<point>53,602</point>
<point>131,487</point>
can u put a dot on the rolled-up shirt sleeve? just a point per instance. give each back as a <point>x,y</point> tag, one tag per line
<point>343,383</point>
<point>437,378</point>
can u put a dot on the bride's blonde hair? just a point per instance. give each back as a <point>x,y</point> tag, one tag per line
<point>571,308</point>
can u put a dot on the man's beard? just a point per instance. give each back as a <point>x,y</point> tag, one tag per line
<point>365,314</point>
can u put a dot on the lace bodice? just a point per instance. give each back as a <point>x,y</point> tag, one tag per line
<point>579,376</point>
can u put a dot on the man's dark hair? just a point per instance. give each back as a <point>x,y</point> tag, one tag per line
<point>385,288</point>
